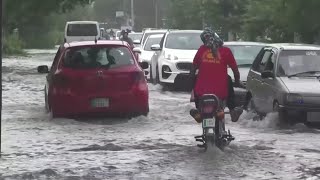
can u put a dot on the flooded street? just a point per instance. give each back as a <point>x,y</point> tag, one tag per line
<point>160,146</point>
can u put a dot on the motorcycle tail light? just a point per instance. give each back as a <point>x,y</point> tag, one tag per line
<point>209,109</point>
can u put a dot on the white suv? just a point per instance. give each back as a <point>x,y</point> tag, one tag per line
<point>173,58</point>
<point>148,33</point>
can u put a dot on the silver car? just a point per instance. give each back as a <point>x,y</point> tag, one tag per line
<point>244,53</point>
<point>285,78</point>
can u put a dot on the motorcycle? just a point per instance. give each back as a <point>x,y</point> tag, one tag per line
<point>212,114</point>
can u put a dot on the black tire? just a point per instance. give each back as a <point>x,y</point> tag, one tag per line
<point>146,113</point>
<point>252,108</point>
<point>167,87</point>
<point>312,125</point>
<point>157,81</point>
<point>282,114</point>
<point>151,80</point>
<point>217,132</point>
<point>210,141</point>
<point>53,113</point>
<point>46,101</point>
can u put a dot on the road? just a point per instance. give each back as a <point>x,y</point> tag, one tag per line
<point>160,146</point>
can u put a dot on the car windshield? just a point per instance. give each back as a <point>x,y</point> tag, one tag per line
<point>135,36</point>
<point>147,35</point>
<point>245,54</point>
<point>82,30</point>
<point>298,62</point>
<point>97,57</point>
<point>150,42</point>
<point>187,41</point>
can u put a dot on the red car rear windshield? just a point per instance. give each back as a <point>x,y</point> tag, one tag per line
<point>97,57</point>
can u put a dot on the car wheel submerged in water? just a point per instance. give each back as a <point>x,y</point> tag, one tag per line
<point>151,80</point>
<point>46,100</point>
<point>282,114</point>
<point>157,80</point>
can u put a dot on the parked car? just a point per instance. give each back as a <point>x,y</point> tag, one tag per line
<point>172,61</point>
<point>95,78</point>
<point>118,35</point>
<point>82,31</point>
<point>284,78</point>
<point>147,52</point>
<point>148,33</point>
<point>244,53</point>
<point>136,38</point>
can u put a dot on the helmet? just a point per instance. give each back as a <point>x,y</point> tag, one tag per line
<point>211,39</point>
<point>127,31</point>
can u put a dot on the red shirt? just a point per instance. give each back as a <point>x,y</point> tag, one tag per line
<point>212,77</point>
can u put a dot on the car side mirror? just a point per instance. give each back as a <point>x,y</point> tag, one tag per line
<point>156,47</point>
<point>136,42</point>
<point>267,74</point>
<point>144,65</point>
<point>136,50</point>
<point>43,69</point>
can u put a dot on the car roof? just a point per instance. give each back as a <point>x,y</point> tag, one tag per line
<point>156,36</point>
<point>135,33</point>
<point>82,22</point>
<point>157,30</point>
<point>185,31</point>
<point>244,43</point>
<point>295,46</point>
<point>92,43</point>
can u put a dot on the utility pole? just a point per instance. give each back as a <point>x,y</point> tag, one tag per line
<point>132,14</point>
<point>1,75</point>
<point>203,14</point>
<point>156,12</point>
<point>124,13</point>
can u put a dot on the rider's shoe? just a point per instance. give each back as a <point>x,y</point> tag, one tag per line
<point>235,114</point>
<point>196,115</point>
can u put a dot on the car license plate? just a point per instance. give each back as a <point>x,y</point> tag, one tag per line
<point>208,123</point>
<point>100,103</point>
<point>313,116</point>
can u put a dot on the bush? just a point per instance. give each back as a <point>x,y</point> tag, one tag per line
<point>13,45</point>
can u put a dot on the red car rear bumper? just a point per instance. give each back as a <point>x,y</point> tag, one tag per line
<point>120,103</point>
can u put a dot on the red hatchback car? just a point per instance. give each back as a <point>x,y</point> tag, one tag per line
<point>96,78</point>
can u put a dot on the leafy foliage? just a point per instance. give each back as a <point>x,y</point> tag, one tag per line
<point>274,20</point>
<point>13,45</point>
<point>34,19</point>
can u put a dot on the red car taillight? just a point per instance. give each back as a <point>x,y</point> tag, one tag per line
<point>139,81</point>
<point>138,77</point>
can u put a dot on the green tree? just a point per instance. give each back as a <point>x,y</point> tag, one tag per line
<point>303,18</point>
<point>185,14</point>
<point>225,14</point>
<point>33,19</point>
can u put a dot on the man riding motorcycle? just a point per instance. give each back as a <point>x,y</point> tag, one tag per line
<point>212,61</point>
<point>125,37</point>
